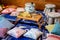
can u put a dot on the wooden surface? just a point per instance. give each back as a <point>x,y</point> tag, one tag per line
<point>39,3</point>
<point>36,18</point>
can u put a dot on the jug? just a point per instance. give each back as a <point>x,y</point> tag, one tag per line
<point>49,8</point>
<point>30,7</point>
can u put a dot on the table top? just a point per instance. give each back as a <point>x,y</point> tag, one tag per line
<point>35,17</point>
<point>54,15</point>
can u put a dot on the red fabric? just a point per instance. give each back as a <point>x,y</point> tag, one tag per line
<point>8,10</point>
<point>53,37</point>
<point>58,10</point>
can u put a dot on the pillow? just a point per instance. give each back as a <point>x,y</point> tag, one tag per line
<point>53,37</point>
<point>14,13</point>
<point>16,32</point>
<point>8,10</point>
<point>56,29</point>
<point>4,23</point>
<point>3,32</point>
<point>50,27</point>
<point>20,9</point>
<point>33,33</point>
<point>11,9</point>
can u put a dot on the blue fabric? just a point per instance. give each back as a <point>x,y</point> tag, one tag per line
<point>21,38</point>
<point>11,18</point>
<point>0,38</point>
<point>28,26</point>
<point>1,18</point>
<point>43,14</point>
<point>56,29</point>
<point>4,23</point>
<point>33,22</point>
<point>27,21</point>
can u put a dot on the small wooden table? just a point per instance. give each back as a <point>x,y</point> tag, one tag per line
<point>35,17</point>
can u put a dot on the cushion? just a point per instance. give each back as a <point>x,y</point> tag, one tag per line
<point>14,13</point>
<point>20,9</point>
<point>56,29</point>
<point>53,37</point>
<point>33,33</point>
<point>3,32</point>
<point>16,32</point>
<point>4,23</point>
<point>50,27</point>
<point>8,10</point>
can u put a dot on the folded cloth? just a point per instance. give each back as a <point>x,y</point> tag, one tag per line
<point>53,37</point>
<point>20,9</point>
<point>14,13</point>
<point>56,29</point>
<point>3,32</point>
<point>33,33</point>
<point>8,10</point>
<point>16,32</point>
<point>4,23</point>
<point>10,18</point>
<point>50,27</point>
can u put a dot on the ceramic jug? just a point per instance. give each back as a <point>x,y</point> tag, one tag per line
<point>49,8</point>
<point>30,7</point>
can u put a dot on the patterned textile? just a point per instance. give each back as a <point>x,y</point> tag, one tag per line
<point>33,33</point>
<point>56,29</point>
<point>10,18</point>
<point>28,26</point>
<point>20,9</point>
<point>20,38</point>
<point>50,27</point>
<point>4,23</point>
<point>8,10</point>
<point>16,32</point>
<point>14,13</point>
<point>3,32</point>
<point>53,37</point>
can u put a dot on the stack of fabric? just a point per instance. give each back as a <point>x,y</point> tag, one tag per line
<point>54,31</point>
<point>5,25</point>
<point>23,30</point>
